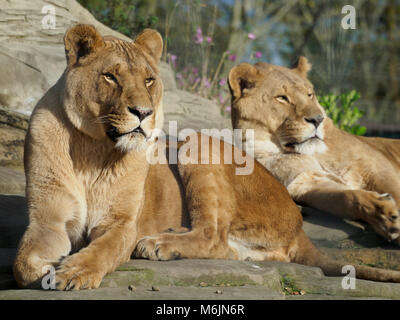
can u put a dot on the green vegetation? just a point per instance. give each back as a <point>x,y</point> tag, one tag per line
<point>289,286</point>
<point>341,109</point>
<point>120,15</point>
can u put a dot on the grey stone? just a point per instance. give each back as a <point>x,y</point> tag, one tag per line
<point>13,127</point>
<point>11,181</point>
<point>235,279</point>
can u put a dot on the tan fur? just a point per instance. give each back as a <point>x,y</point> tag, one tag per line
<point>323,167</point>
<point>93,199</point>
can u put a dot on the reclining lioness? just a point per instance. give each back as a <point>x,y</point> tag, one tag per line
<point>93,197</point>
<point>322,166</point>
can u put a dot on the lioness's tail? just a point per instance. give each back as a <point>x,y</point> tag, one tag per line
<point>308,254</point>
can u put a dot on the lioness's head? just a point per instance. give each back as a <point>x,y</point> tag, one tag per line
<point>112,87</point>
<point>280,105</point>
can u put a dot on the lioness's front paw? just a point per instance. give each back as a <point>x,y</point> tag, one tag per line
<point>71,276</point>
<point>156,248</point>
<point>385,217</point>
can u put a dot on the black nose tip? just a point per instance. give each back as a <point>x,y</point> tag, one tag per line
<point>316,121</point>
<point>140,112</point>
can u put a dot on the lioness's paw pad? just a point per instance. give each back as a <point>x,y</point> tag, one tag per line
<point>154,248</point>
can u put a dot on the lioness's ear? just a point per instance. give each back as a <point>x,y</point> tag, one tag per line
<point>303,66</point>
<point>241,77</point>
<point>151,42</point>
<point>80,41</point>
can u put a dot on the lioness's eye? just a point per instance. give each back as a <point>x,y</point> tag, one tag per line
<point>110,77</point>
<point>149,81</point>
<point>282,98</point>
<point>310,95</point>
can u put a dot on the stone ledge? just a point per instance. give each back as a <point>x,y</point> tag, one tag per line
<point>200,279</point>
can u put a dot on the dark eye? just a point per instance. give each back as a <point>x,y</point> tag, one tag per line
<point>110,77</point>
<point>149,81</point>
<point>310,95</point>
<point>282,98</point>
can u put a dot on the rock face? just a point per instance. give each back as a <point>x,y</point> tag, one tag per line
<point>13,126</point>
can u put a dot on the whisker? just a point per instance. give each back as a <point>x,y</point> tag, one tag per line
<point>102,119</point>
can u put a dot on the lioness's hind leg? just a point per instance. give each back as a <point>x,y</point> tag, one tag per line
<point>192,245</point>
<point>210,213</point>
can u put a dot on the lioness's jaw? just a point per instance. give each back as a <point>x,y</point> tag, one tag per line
<point>308,147</point>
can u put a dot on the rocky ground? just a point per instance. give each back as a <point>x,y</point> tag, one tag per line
<point>221,279</point>
<point>37,56</point>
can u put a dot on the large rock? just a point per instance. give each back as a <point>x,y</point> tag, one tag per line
<point>11,182</point>
<point>13,126</point>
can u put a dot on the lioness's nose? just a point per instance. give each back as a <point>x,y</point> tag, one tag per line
<point>140,112</point>
<point>316,121</point>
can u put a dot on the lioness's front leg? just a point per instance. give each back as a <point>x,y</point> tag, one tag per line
<point>111,244</point>
<point>46,240</point>
<point>210,213</point>
<point>86,268</point>
<point>324,192</point>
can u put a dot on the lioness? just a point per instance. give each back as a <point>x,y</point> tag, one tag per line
<point>91,191</point>
<point>322,166</point>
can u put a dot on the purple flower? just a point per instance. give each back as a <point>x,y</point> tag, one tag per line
<point>232,57</point>
<point>173,59</point>
<point>228,108</point>
<point>251,36</point>
<point>258,54</point>
<point>195,70</point>
<point>221,98</point>
<point>209,39</point>
<point>222,82</point>
<point>179,75</point>
<point>206,83</point>
<point>198,38</point>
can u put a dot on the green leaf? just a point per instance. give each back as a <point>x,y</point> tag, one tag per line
<point>343,112</point>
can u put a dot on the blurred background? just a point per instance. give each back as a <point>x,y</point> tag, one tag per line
<point>356,72</point>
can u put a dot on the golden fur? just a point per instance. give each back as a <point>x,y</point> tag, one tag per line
<point>93,197</point>
<point>321,166</point>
